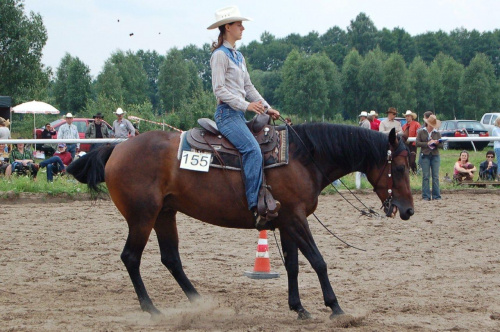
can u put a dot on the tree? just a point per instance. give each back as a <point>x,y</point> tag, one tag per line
<point>371,80</point>
<point>351,85</point>
<point>421,87</point>
<point>477,86</point>
<point>109,83</point>
<point>397,91</point>
<point>72,86</point>
<point>134,78</point>
<point>335,43</point>
<point>428,46</point>
<point>362,33</point>
<point>451,74</point>
<point>151,62</point>
<point>22,39</point>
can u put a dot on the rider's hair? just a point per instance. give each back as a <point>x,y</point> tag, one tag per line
<point>220,39</point>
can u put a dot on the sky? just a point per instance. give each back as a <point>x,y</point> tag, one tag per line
<point>93,29</point>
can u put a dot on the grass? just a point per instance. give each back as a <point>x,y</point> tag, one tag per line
<point>69,186</point>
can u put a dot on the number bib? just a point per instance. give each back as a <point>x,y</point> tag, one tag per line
<point>196,161</point>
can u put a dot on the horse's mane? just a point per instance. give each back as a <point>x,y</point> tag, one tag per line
<point>346,146</point>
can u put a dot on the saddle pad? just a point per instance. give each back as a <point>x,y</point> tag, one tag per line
<point>276,157</point>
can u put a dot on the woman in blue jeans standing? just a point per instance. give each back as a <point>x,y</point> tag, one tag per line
<point>428,139</point>
<point>496,144</point>
<point>236,94</point>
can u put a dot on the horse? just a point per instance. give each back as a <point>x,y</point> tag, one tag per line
<point>147,185</point>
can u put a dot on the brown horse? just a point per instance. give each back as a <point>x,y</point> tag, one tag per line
<point>148,187</point>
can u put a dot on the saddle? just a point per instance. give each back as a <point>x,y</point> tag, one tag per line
<point>209,139</point>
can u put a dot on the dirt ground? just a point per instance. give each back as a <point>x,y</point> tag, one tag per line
<point>60,269</point>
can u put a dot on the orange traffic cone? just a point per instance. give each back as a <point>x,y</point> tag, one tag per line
<point>262,267</point>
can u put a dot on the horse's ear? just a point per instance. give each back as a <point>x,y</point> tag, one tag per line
<point>393,140</point>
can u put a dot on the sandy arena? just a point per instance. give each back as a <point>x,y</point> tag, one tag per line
<point>60,269</point>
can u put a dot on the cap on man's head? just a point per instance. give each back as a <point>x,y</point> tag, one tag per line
<point>392,110</point>
<point>61,145</point>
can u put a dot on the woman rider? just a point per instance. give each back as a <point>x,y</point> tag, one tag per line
<point>232,88</point>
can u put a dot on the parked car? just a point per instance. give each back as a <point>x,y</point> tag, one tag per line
<point>80,123</point>
<point>488,121</point>
<point>463,128</point>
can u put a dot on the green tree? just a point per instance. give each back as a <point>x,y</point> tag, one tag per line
<point>151,62</point>
<point>362,33</point>
<point>109,83</point>
<point>451,74</point>
<point>334,43</point>
<point>428,46</point>
<point>371,80</point>
<point>421,87</point>
<point>477,86</point>
<point>351,85</point>
<point>397,90</point>
<point>72,86</point>
<point>22,39</point>
<point>201,59</point>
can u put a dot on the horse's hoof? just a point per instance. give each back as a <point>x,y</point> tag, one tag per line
<point>157,316</point>
<point>336,313</point>
<point>304,314</point>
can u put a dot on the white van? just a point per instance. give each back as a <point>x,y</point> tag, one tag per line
<point>488,120</point>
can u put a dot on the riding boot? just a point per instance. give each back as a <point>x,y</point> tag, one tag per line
<point>267,206</point>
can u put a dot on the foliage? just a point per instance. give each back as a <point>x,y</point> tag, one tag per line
<point>351,85</point>
<point>22,39</point>
<point>421,87</point>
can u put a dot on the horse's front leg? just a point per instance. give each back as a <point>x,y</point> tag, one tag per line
<point>292,268</point>
<point>305,242</point>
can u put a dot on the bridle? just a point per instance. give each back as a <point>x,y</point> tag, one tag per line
<point>403,151</point>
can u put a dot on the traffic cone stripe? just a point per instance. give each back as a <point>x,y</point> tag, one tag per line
<point>262,267</point>
<point>262,254</point>
<point>262,241</point>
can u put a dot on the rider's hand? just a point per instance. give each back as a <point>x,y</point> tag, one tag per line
<point>256,107</point>
<point>275,114</point>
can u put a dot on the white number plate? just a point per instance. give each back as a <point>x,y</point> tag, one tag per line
<point>473,135</point>
<point>196,161</point>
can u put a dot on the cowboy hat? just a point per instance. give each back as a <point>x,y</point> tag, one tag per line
<point>363,113</point>
<point>119,111</point>
<point>4,122</point>
<point>98,115</point>
<point>413,115</point>
<point>372,112</point>
<point>433,121</point>
<point>68,115</point>
<point>392,110</point>
<point>227,15</point>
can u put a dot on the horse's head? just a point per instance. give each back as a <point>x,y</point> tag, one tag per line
<point>391,181</point>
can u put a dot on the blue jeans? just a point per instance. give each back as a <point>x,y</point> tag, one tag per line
<point>71,148</point>
<point>54,164</point>
<point>430,163</point>
<point>232,125</point>
<point>497,153</point>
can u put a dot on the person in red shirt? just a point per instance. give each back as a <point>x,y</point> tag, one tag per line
<point>58,162</point>
<point>410,130</point>
<point>375,122</point>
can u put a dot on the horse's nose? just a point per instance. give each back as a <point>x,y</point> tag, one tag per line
<point>410,212</point>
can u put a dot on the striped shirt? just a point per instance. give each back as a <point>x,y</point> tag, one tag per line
<point>231,83</point>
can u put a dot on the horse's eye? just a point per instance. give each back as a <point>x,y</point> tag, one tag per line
<point>400,168</point>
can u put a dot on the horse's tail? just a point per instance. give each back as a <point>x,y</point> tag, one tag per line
<point>89,168</point>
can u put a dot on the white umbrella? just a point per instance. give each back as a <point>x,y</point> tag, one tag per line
<point>35,107</point>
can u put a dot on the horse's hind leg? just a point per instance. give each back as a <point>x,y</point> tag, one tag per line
<point>131,257</point>
<point>166,231</point>
<point>305,242</point>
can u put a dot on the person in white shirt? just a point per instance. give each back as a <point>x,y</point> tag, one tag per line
<point>69,131</point>
<point>390,122</point>
<point>363,120</point>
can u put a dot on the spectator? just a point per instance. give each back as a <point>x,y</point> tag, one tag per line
<point>21,159</point>
<point>97,129</point>
<point>375,123</point>
<point>69,131</point>
<point>488,169</point>
<point>428,140</point>
<point>4,130</point>
<point>4,158</point>
<point>122,127</point>
<point>47,133</point>
<point>58,162</point>
<point>136,127</point>
<point>496,144</point>
<point>463,169</point>
<point>410,129</point>
<point>390,122</point>
<point>288,121</point>
<point>363,121</point>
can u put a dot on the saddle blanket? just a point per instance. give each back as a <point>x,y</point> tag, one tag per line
<point>277,157</point>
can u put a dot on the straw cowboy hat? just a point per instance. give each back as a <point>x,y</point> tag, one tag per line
<point>363,114</point>
<point>413,115</point>
<point>68,115</point>
<point>4,122</point>
<point>372,113</point>
<point>227,15</point>
<point>392,110</point>
<point>119,111</point>
<point>433,121</point>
